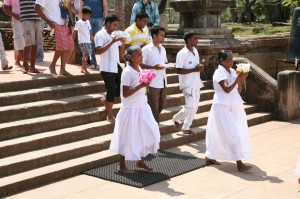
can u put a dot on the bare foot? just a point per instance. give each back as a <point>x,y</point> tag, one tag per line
<point>176,124</point>
<point>125,170</point>
<point>24,70</point>
<point>144,166</point>
<point>64,73</point>
<point>52,70</point>
<point>188,132</point>
<point>213,161</point>
<point>85,71</point>
<point>33,70</point>
<point>7,68</point>
<point>18,64</point>
<point>111,120</point>
<point>243,168</point>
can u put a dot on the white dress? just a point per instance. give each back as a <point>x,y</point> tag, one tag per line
<point>136,133</point>
<point>297,171</point>
<point>227,136</point>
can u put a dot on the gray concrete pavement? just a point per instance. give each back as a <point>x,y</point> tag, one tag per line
<point>275,145</point>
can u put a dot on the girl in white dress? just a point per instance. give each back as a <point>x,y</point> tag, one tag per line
<point>227,136</point>
<point>136,132</point>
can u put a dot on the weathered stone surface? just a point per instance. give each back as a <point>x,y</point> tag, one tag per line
<point>288,95</point>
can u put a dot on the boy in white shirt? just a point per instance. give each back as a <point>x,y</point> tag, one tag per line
<point>188,67</point>
<point>111,49</point>
<point>83,27</point>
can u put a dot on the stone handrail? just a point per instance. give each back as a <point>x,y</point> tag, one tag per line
<point>261,88</point>
<point>282,97</point>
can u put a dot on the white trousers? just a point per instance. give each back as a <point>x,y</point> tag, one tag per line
<point>189,110</point>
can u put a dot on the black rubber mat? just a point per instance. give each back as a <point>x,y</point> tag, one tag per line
<point>165,165</point>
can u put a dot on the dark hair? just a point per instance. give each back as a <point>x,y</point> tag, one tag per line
<point>86,10</point>
<point>223,54</point>
<point>131,51</point>
<point>141,15</point>
<point>187,36</point>
<point>111,18</point>
<point>155,30</point>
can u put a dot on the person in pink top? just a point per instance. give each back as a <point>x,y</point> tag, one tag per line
<point>19,42</point>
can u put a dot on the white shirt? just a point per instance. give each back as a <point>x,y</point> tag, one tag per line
<point>109,59</point>
<point>52,10</point>
<point>130,77</point>
<point>185,59</point>
<point>151,57</point>
<point>221,97</point>
<point>83,28</point>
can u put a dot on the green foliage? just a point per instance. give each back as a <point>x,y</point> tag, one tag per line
<point>256,29</point>
<point>292,3</point>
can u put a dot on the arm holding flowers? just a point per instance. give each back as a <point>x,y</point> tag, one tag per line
<point>127,91</point>
<point>228,88</point>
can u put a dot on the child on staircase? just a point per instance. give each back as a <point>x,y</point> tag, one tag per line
<point>83,28</point>
<point>136,132</point>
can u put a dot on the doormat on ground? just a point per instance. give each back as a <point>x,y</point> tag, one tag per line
<point>165,165</point>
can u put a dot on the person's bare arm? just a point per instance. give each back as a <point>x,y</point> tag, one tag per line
<point>6,10</point>
<point>102,49</point>
<point>39,11</point>
<point>105,8</point>
<point>187,71</point>
<point>156,67</point>
<point>122,51</point>
<point>229,87</point>
<point>74,34</point>
<point>127,91</point>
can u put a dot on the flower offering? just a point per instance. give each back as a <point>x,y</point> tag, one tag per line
<point>146,76</point>
<point>244,68</point>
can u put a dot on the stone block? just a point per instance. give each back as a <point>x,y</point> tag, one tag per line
<point>288,95</point>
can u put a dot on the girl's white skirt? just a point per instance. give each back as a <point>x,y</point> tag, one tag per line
<point>297,171</point>
<point>136,133</point>
<point>227,136</point>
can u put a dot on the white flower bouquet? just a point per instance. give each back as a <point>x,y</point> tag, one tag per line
<point>243,68</point>
<point>120,33</point>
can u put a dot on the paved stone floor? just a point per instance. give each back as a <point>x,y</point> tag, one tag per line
<point>16,74</point>
<point>275,145</point>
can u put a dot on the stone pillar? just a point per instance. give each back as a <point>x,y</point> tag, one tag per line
<point>288,95</point>
<point>123,9</point>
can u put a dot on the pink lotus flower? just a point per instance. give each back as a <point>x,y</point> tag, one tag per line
<point>146,76</point>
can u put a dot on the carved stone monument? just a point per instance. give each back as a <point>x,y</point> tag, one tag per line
<point>202,17</point>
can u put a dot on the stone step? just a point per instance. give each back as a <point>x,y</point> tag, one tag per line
<point>68,90</point>
<point>55,106</point>
<point>30,126</point>
<point>63,151</point>
<point>85,131</point>
<point>45,81</point>
<point>62,170</point>
<point>48,107</point>
<point>50,93</point>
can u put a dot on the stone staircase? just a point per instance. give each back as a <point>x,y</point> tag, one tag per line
<point>52,129</point>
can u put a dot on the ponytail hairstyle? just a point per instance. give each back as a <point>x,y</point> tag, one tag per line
<point>223,55</point>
